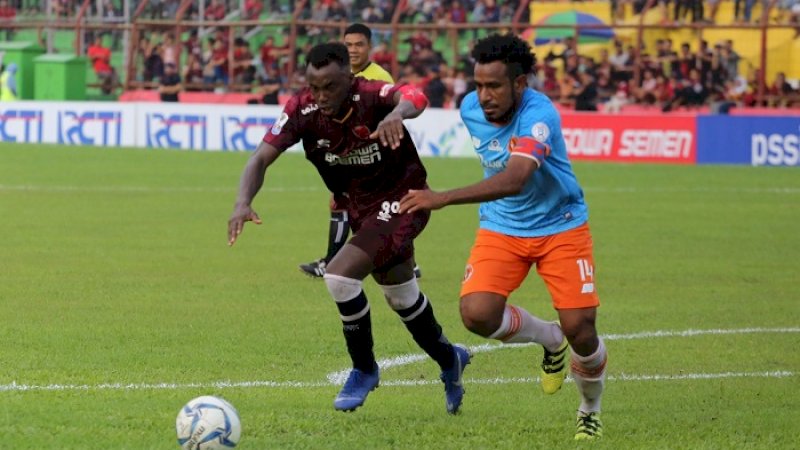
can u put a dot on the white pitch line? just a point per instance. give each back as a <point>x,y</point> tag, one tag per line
<point>14,387</point>
<point>337,378</point>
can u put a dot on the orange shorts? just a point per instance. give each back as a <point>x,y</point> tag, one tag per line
<point>499,263</point>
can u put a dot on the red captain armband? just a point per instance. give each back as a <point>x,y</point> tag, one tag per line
<point>414,95</point>
<point>531,148</point>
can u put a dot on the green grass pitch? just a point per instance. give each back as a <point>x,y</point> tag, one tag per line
<point>120,301</point>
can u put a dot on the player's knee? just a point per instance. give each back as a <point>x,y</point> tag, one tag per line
<point>401,296</point>
<point>479,319</point>
<point>579,328</point>
<point>342,288</point>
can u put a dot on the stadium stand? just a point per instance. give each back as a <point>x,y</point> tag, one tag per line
<point>628,54</point>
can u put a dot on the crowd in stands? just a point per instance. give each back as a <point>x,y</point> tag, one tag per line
<point>668,76</point>
<point>663,77</point>
<point>440,12</point>
<point>659,77</point>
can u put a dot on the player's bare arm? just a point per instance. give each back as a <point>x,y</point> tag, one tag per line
<point>252,180</point>
<point>409,103</point>
<point>508,182</point>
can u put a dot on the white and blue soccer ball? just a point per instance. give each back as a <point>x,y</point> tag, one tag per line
<point>208,423</point>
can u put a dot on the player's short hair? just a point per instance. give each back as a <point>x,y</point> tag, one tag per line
<point>330,52</point>
<point>507,48</point>
<point>359,28</point>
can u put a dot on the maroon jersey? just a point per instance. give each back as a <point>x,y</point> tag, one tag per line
<point>350,163</point>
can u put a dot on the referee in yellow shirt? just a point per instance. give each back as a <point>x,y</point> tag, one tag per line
<point>358,39</point>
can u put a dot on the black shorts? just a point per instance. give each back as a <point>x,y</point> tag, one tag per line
<point>387,236</point>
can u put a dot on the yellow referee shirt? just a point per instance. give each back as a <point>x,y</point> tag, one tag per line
<point>375,72</point>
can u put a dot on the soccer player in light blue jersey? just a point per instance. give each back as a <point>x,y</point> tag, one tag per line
<point>532,212</point>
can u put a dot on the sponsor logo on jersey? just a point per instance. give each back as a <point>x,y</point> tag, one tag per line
<point>276,129</point>
<point>359,157</point>
<point>361,132</point>
<point>468,273</point>
<point>494,164</point>
<point>309,109</point>
<point>385,90</point>
<point>476,142</point>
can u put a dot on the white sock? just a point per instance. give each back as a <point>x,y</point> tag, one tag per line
<point>589,373</point>
<point>520,326</point>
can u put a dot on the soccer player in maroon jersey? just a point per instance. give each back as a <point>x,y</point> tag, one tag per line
<point>352,131</point>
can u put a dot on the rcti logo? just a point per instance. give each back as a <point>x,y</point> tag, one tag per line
<point>21,126</point>
<point>176,131</point>
<point>90,128</point>
<point>244,133</point>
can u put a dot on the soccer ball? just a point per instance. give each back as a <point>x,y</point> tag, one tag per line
<point>208,423</point>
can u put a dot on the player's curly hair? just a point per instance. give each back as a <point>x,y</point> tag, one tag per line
<point>509,49</point>
<point>330,52</point>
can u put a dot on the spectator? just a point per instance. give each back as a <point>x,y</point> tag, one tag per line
<point>153,64</point>
<point>253,9</point>
<point>62,8</point>
<point>605,89</point>
<point>419,41</point>
<point>383,57</point>
<point>192,44</point>
<point>219,62</point>
<point>736,89</point>
<point>270,87</point>
<point>647,92</point>
<point>585,92</point>
<point>169,50</point>
<point>7,15</point>
<point>435,88</point>
<point>270,53</point>
<point>170,84</point>
<point>692,92</point>
<point>667,57</point>
<point>459,84</point>
<point>457,13</point>
<point>100,57</point>
<point>215,11</point>
<point>685,62</point>
<point>729,60</point>
<point>664,89</point>
<point>242,62</point>
<point>779,91</point>
<point>8,84</point>
<point>193,73</point>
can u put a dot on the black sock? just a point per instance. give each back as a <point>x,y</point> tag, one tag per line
<point>358,332</point>
<point>337,233</point>
<point>427,332</point>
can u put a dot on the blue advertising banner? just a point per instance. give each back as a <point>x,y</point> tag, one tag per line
<point>753,140</point>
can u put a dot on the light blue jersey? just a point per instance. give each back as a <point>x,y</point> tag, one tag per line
<point>552,200</point>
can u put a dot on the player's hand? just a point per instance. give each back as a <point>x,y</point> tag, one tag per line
<point>241,214</point>
<point>422,200</point>
<point>389,131</point>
